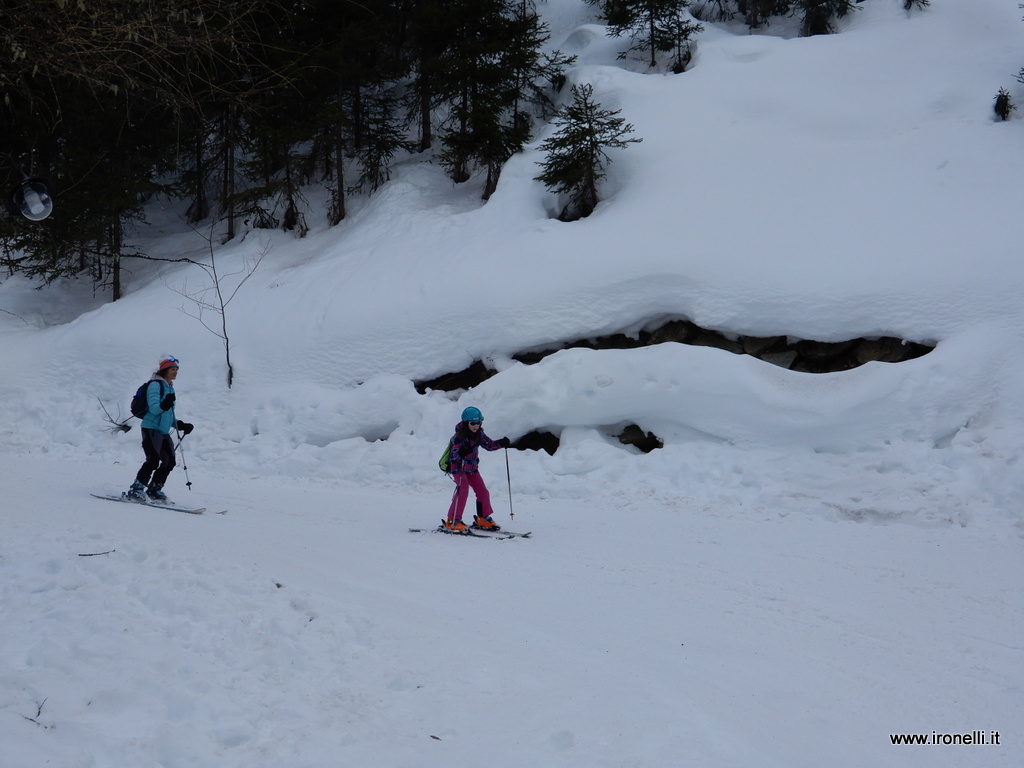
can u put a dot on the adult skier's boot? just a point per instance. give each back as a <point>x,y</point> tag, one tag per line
<point>137,492</point>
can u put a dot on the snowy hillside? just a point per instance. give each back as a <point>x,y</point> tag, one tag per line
<point>811,563</point>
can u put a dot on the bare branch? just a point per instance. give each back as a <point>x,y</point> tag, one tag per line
<point>117,426</point>
<point>255,266</point>
<point>13,314</point>
<point>217,287</point>
<point>39,712</point>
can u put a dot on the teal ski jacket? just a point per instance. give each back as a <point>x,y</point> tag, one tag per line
<point>155,418</point>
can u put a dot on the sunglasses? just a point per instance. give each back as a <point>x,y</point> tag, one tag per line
<point>474,423</point>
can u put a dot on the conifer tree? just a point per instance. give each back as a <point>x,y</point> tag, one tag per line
<point>819,15</point>
<point>474,77</point>
<point>528,85</point>
<point>680,31</point>
<point>1004,106</point>
<point>105,161</point>
<point>493,74</point>
<point>108,93</point>
<point>350,48</point>
<point>577,154</point>
<point>757,13</point>
<point>426,26</point>
<point>384,137</point>
<point>653,25</point>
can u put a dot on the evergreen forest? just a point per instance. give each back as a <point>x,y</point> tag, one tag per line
<point>232,107</point>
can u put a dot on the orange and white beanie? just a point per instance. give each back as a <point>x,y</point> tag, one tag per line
<point>167,361</point>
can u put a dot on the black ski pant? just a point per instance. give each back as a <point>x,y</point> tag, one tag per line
<point>159,448</point>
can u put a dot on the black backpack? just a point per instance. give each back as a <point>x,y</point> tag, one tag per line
<point>140,406</point>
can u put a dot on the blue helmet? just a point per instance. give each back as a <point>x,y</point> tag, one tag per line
<point>472,414</point>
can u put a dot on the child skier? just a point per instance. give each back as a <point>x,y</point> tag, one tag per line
<point>469,436</point>
<point>156,438</point>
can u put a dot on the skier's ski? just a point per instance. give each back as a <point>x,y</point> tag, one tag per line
<point>440,529</point>
<point>501,533</point>
<point>473,533</point>
<point>162,505</point>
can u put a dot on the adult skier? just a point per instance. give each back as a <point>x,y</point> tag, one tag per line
<point>465,461</point>
<point>156,433</point>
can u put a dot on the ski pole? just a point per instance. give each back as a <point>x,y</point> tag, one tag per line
<point>508,476</point>
<point>184,466</point>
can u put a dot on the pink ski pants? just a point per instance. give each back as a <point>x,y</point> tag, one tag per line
<point>463,482</point>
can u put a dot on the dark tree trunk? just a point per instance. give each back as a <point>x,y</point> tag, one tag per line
<point>493,172</point>
<point>338,209</point>
<point>426,137</point>
<point>199,208</point>
<point>115,258</point>
<point>357,117</point>
<point>228,201</point>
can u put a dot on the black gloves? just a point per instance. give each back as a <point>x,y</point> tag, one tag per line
<point>168,402</point>
<point>184,426</point>
<point>505,442</point>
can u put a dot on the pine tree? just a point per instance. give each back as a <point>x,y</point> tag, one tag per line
<point>351,50</point>
<point>819,15</point>
<point>425,28</point>
<point>494,74</point>
<point>108,93</point>
<point>531,75</point>
<point>1004,106</point>
<point>654,25</point>
<point>577,154</point>
<point>383,138</point>
<point>680,31</point>
<point>473,85</point>
<point>105,158</point>
<point>757,13</point>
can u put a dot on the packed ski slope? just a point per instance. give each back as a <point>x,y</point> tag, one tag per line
<point>306,627</point>
<point>810,564</point>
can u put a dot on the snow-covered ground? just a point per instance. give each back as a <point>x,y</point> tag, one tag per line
<point>810,564</point>
<point>305,627</point>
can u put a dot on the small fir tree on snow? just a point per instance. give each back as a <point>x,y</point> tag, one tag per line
<point>577,154</point>
<point>1004,105</point>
